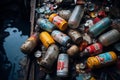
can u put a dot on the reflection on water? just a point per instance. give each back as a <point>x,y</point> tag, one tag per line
<point>12,45</point>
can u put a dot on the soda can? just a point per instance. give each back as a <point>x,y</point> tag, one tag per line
<point>101,60</point>
<point>99,27</point>
<point>45,24</point>
<point>50,57</point>
<point>29,45</point>
<point>76,17</point>
<point>93,49</point>
<point>65,14</point>
<point>60,37</point>
<point>62,65</point>
<point>110,37</point>
<point>75,36</point>
<point>46,39</point>
<point>58,21</point>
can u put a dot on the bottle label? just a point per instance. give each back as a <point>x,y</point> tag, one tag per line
<point>104,58</point>
<point>57,20</point>
<point>60,37</point>
<point>46,25</point>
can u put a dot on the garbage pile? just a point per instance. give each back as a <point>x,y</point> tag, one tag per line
<point>72,38</point>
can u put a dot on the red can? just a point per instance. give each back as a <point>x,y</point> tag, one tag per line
<point>92,50</point>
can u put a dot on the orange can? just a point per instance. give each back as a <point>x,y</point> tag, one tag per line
<point>46,39</point>
<point>101,60</point>
<point>58,21</point>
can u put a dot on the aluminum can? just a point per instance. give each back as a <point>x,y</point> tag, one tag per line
<point>46,39</point>
<point>76,17</point>
<point>45,24</point>
<point>93,49</point>
<point>50,57</point>
<point>110,37</point>
<point>29,45</point>
<point>62,65</point>
<point>60,37</point>
<point>73,50</point>
<point>99,27</point>
<point>58,21</point>
<point>75,36</point>
<point>101,60</point>
<point>65,14</point>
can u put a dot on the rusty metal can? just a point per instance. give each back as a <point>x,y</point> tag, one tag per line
<point>99,27</point>
<point>73,50</point>
<point>76,17</point>
<point>65,14</point>
<point>91,50</point>
<point>50,57</point>
<point>60,37</point>
<point>101,60</point>
<point>58,21</point>
<point>46,39</point>
<point>110,37</point>
<point>45,24</point>
<point>75,36</point>
<point>62,65</point>
<point>29,45</point>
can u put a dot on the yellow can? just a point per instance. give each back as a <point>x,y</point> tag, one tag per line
<point>46,39</point>
<point>101,60</point>
<point>58,21</point>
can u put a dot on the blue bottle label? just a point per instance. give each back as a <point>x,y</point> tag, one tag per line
<point>104,58</point>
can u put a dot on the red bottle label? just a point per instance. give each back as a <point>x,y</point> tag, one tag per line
<point>95,48</point>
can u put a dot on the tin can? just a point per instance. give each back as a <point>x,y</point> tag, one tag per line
<point>99,27</point>
<point>62,65</point>
<point>110,37</point>
<point>58,21</point>
<point>50,57</point>
<point>73,50</point>
<point>45,24</point>
<point>60,37</point>
<point>75,36</point>
<point>65,14</point>
<point>101,60</point>
<point>46,39</point>
<point>76,17</point>
<point>92,50</point>
<point>29,45</point>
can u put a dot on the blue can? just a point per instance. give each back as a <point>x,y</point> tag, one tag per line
<point>99,27</point>
<point>45,24</point>
<point>60,37</point>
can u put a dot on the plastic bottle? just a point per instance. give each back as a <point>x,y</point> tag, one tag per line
<point>29,45</point>
<point>46,39</point>
<point>60,37</point>
<point>45,24</point>
<point>58,21</point>
<point>101,60</point>
<point>50,57</point>
<point>99,27</point>
<point>110,37</point>
<point>76,17</point>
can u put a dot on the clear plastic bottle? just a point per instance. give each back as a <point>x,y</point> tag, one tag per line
<point>76,16</point>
